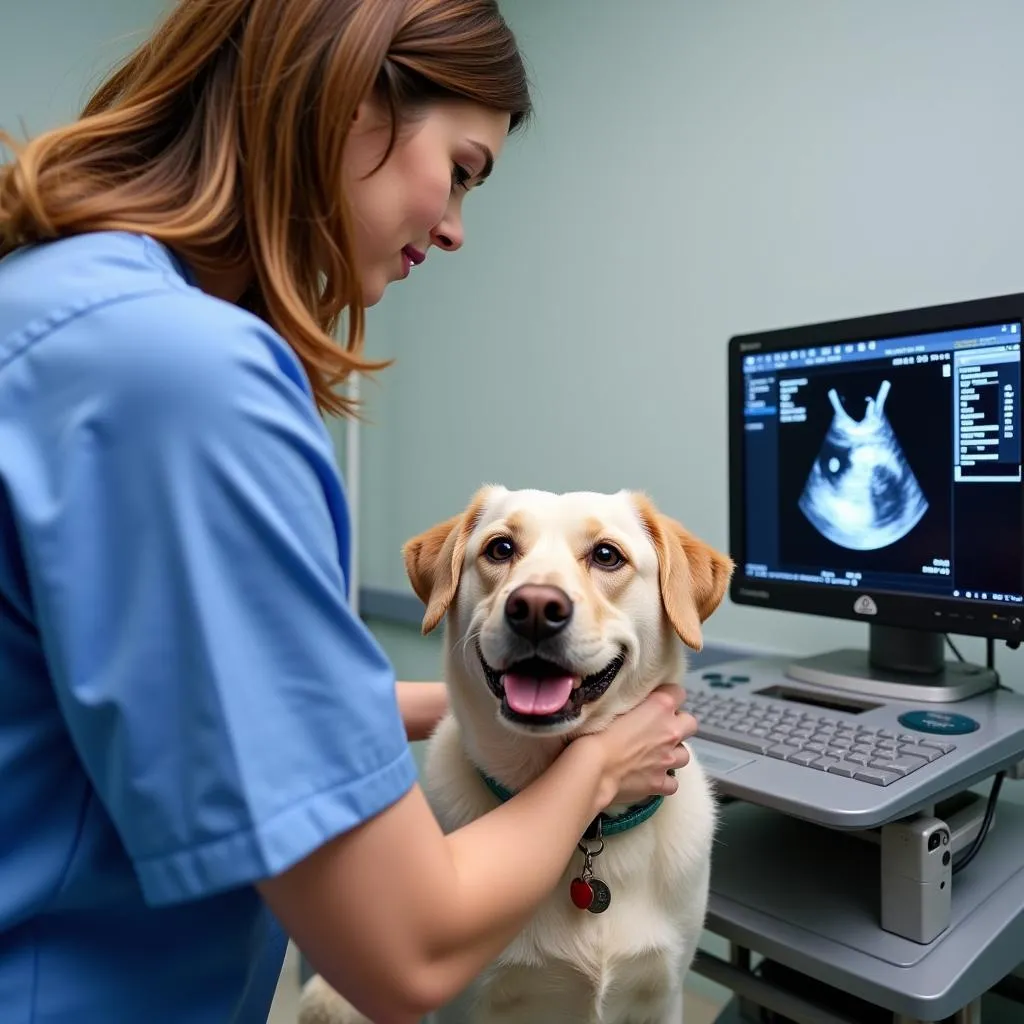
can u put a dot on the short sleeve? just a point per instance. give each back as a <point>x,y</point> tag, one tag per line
<point>185,537</point>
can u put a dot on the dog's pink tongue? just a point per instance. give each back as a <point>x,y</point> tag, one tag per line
<point>529,696</point>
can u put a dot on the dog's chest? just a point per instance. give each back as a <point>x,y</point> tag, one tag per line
<point>641,990</point>
<point>623,966</point>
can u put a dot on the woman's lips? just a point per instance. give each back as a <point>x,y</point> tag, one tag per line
<point>411,257</point>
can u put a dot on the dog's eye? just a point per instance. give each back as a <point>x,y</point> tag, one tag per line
<point>501,549</point>
<point>607,556</point>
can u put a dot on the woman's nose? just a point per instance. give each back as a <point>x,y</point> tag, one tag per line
<point>448,235</point>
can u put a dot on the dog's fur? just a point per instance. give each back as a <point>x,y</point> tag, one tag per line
<point>624,966</point>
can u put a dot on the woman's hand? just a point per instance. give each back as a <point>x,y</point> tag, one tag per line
<point>422,706</point>
<point>643,748</point>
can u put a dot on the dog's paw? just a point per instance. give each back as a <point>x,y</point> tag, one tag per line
<point>320,1004</point>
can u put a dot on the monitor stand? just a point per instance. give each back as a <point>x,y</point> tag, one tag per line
<point>899,664</point>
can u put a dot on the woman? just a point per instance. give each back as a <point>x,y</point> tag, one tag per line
<point>197,736</point>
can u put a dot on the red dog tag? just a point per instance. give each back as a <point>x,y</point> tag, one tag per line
<point>581,893</point>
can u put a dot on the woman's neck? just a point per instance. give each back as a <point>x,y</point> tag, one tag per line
<point>229,285</point>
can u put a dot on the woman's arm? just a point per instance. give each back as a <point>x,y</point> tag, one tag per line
<point>422,705</point>
<point>399,918</point>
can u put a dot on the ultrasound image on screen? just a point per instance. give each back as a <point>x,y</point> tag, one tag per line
<point>862,492</point>
<point>865,468</point>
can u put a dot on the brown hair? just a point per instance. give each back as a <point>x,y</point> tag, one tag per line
<point>222,137</point>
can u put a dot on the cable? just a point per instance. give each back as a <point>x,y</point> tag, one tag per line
<point>990,662</point>
<point>953,647</point>
<point>990,655</point>
<point>990,809</point>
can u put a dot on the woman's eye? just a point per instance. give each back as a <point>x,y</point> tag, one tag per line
<point>501,549</point>
<point>460,176</point>
<point>607,556</point>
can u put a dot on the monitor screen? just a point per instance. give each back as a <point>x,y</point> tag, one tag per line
<point>881,463</point>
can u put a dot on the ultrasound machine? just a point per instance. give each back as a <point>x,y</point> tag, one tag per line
<point>864,853</point>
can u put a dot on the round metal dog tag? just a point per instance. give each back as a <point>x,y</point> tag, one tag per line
<point>602,896</point>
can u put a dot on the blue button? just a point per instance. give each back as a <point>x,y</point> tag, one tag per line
<point>739,679</point>
<point>711,675</point>
<point>941,723</point>
<point>720,684</point>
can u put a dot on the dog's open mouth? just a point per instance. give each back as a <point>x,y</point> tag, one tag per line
<point>536,691</point>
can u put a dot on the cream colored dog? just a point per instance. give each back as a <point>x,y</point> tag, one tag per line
<point>563,611</point>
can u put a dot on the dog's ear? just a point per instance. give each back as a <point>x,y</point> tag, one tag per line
<point>693,576</point>
<point>433,560</point>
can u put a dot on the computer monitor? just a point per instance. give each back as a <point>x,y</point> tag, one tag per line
<point>875,475</point>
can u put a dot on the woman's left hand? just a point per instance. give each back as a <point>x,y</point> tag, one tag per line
<point>422,706</point>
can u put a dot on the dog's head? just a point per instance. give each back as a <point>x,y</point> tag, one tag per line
<point>564,609</point>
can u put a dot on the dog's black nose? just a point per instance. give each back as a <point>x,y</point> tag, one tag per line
<point>536,611</point>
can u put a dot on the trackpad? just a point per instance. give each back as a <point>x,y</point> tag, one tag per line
<point>715,759</point>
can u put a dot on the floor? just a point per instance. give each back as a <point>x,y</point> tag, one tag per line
<point>699,1008</point>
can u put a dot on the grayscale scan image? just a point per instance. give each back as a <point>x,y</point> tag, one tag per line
<point>862,493</point>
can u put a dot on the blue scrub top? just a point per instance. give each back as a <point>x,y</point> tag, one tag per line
<point>187,702</point>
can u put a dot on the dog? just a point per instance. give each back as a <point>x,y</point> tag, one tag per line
<point>564,611</point>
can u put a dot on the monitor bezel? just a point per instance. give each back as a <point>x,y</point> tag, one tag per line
<point>904,610</point>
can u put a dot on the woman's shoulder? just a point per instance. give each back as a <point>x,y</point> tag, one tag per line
<point>66,277</point>
<point>116,311</point>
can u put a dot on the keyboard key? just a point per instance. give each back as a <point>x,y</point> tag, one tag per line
<point>876,776</point>
<point>739,740</point>
<point>843,768</point>
<point>780,751</point>
<point>940,744</point>
<point>803,757</point>
<point>927,753</point>
<point>823,764</point>
<point>900,765</point>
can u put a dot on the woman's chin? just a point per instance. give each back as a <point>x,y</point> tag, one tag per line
<point>374,284</point>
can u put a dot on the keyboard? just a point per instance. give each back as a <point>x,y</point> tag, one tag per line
<point>812,740</point>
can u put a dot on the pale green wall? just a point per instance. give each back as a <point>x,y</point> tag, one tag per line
<point>697,168</point>
<point>54,52</point>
